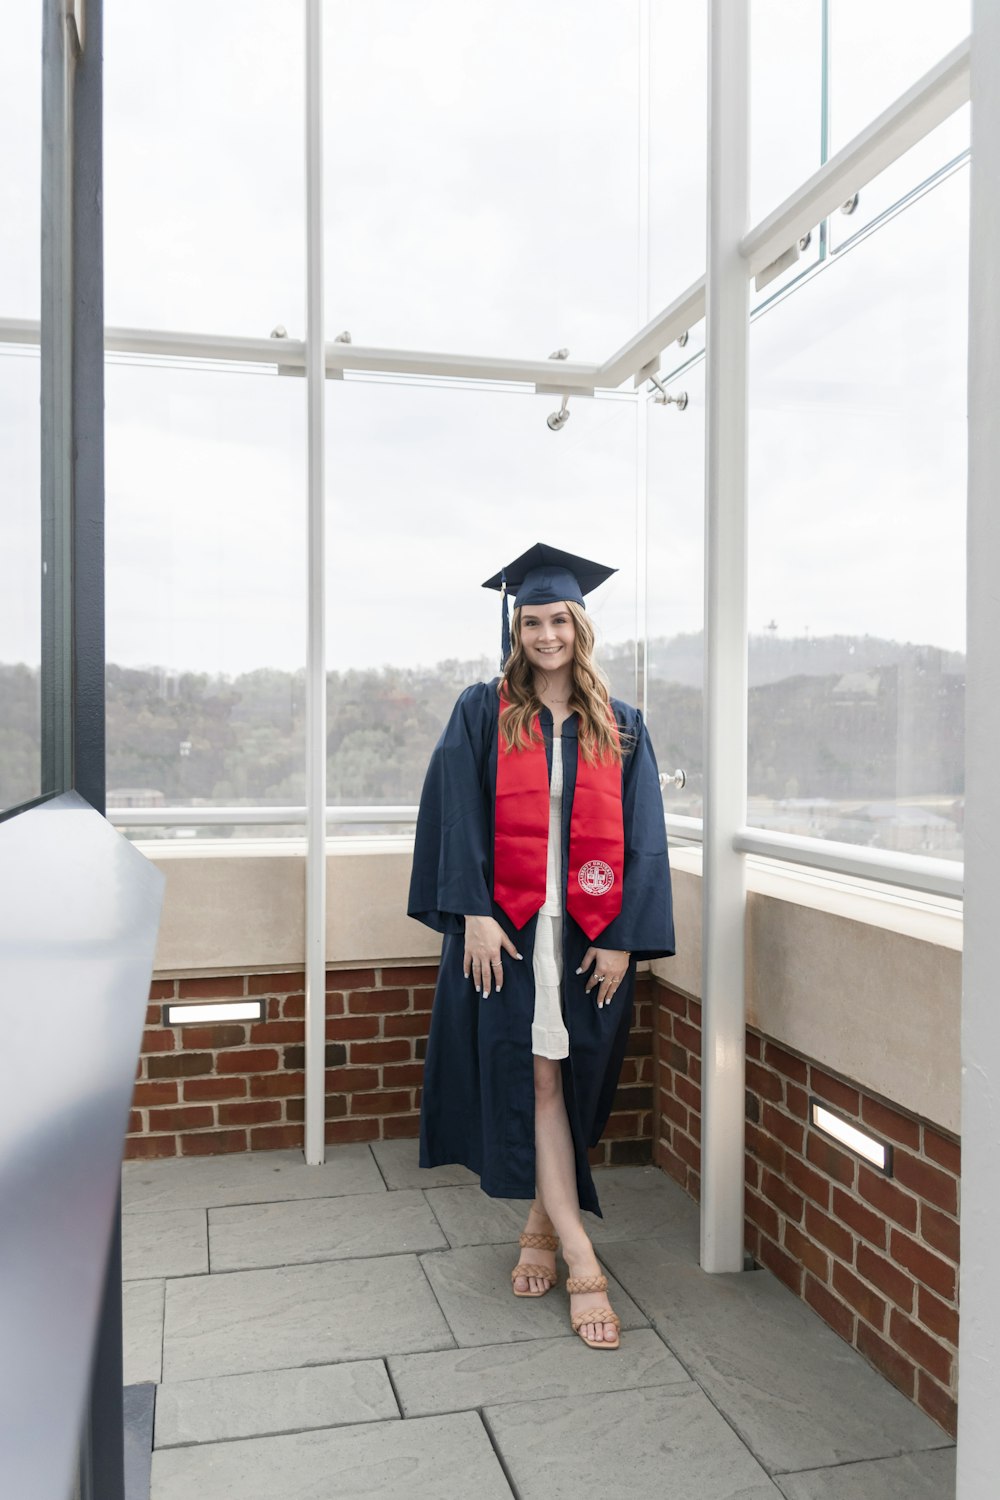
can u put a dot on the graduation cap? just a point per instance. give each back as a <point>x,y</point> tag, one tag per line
<point>545,575</point>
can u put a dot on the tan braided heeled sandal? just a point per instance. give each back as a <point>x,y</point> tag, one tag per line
<point>524,1268</point>
<point>593,1314</point>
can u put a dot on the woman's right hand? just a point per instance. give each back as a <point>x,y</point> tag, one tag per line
<point>484,940</point>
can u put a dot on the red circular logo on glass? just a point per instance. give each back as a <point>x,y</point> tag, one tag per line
<point>596,878</point>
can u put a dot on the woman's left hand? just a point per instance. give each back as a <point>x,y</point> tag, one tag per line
<point>610,969</point>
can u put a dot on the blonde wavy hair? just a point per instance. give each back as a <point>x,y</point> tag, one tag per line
<point>589,696</point>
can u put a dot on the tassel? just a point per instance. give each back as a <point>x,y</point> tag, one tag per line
<point>504,622</point>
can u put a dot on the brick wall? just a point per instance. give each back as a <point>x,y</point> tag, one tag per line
<point>876,1257</point>
<point>240,1086</point>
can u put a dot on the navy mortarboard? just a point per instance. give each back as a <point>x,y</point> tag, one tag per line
<point>545,575</point>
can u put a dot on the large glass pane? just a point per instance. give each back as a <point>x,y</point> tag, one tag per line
<point>206,560</point>
<point>857,490</point>
<point>481,187</point>
<point>432,489</point>
<point>20,494</point>
<point>205,166</point>
<point>786,99</point>
<point>678,147</point>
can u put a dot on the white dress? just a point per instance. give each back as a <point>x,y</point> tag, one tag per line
<point>549,1037</point>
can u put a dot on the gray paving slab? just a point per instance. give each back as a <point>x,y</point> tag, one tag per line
<point>638,1202</point>
<point>142,1331</point>
<point>235,1322</point>
<point>460,1379</point>
<point>913,1476</point>
<point>473,1286</point>
<point>429,1458</point>
<point>399,1164</point>
<point>174,1243</point>
<point>274,1401</point>
<point>344,1227</point>
<point>663,1441</point>
<point>137,1439</point>
<point>246,1177</point>
<point>469,1216</point>
<point>800,1397</point>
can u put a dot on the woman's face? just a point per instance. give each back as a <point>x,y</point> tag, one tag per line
<point>548,635</point>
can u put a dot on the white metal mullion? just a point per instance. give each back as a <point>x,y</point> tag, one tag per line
<point>724,868</point>
<point>315,956</point>
<point>978,1361</point>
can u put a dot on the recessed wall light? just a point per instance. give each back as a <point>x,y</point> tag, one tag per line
<point>879,1153</point>
<point>215,1010</point>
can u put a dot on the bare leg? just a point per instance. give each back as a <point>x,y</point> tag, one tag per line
<point>555,1174</point>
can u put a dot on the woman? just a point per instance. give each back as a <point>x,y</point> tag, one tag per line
<point>541,856</point>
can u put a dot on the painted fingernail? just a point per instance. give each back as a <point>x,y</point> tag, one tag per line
<point>579,971</point>
<point>520,955</point>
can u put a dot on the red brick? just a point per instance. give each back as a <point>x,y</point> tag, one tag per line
<point>941,1405</point>
<point>751,1171</point>
<point>784,1062</point>
<point>784,1267</point>
<point>276,1085</point>
<point>694,1069</point>
<point>395,1127</point>
<point>276,1137</point>
<point>336,1106</point>
<point>886,1276</point>
<point>763,1082</point>
<point>940,1231</point>
<point>688,1036</point>
<point>391,1102</point>
<point>293,1007</point>
<point>892,1364</point>
<point>183,1117</point>
<point>416,974</point>
<point>796,1101</point>
<point>350,979</point>
<point>217,987</point>
<point>830,1159</point>
<point>835,1091</point>
<point>214,1088</point>
<point>154,1015</point>
<point>163,989</point>
<point>336,1005</point>
<point>810,1182</point>
<point>669,1000</point>
<point>276,984</point>
<point>400,1050</point>
<point>639,1043</point>
<point>754,1045</point>
<point>926,1351</point>
<point>276,1031</point>
<point>179,1064</point>
<point>859,1218</point>
<point>213,1142</point>
<point>423,1000</point>
<point>377,1002</point>
<point>408,1023</point>
<point>788,1131</point>
<point>149,1147</point>
<point>887,1197</point>
<point>694,1127</point>
<point>197,1038</point>
<point>248,1060</point>
<point>928,1268</point>
<point>765,1148</point>
<point>694,1008</point>
<point>834,1312</point>
<point>144,1094</point>
<point>351,1130</point>
<point>890,1123</point>
<point>828,1232</point>
<point>809,1255</point>
<point>687,1091</point>
<point>621,1125</point>
<point>671,1163</point>
<point>927,1181</point>
<point>397,1074</point>
<point>937,1315</point>
<point>250,1112</point>
<point>673,1109</point>
<point>760,1213</point>
<point>134,1121</point>
<point>348,1028</point>
<point>778,1192</point>
<point>351,1080</point>
<point>155,1040</point>
<point>861,1297</point>
<point>943,1149</point>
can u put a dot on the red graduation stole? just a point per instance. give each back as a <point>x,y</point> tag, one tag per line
<point>521,835</point>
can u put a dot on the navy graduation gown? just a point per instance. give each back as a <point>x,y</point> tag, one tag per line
<point>478,1103</point>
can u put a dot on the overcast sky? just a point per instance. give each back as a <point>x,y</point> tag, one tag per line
<point>482,194</point>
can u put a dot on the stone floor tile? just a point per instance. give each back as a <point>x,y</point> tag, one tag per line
<point>473,1286</point>
<point>429,1458</point>
<point>914,1476</point>
<point>142,1331</point>
<point>399,1164</point>
<point>274,1401</point>
<point>800,1396</point>
<point>342,1227</point>
<point>246,1177</point>
<point>174,1243</point>
<point>137,1437</point>
<point>469,1216</point>
<point>663,1441</point>
<point>234,1322</point>
<point>639,1202</point>
<point>459,1379</point>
